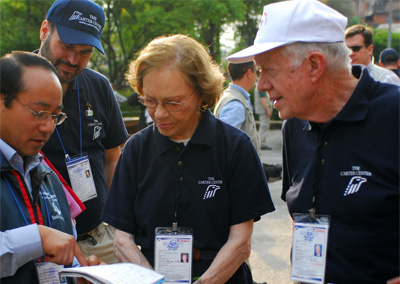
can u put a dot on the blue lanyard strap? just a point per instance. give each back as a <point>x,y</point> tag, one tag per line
<point>80,125</point>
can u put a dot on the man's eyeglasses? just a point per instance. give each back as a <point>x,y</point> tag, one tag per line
<point>356,48</point>
<point>170,106</point>
<point>42,116</point>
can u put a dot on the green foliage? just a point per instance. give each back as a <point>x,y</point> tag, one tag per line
<point>381,42</point>
<point>19,24</point>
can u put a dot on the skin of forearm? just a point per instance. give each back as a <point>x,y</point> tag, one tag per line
<point>236,250</point>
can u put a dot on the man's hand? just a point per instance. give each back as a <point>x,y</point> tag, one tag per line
<point>60,247</point>
<point>91,261</point>
<point>94,260</point>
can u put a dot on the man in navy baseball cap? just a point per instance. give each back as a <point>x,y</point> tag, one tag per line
<point>389,59</point>
<point>78,22</point>
<point>95,129</point>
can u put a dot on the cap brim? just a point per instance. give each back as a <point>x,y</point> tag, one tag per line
<point>71,36</point>
<point>248,53</point>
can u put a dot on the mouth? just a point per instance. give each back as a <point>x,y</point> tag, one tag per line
<point>39,141</point>
<point>275,100</point>
<point>164,126</point>
<point>66,67</point>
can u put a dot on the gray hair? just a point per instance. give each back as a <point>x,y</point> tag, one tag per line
<point>336,54</point>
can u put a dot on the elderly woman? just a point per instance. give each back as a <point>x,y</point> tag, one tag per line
<point>188,167</point>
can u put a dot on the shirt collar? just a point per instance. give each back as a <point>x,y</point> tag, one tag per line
<point>16,161</point>
<point>204,134</point>
<point>243,91</point>
<point>357,106</point>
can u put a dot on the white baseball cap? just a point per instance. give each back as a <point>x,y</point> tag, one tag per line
<point>287,22</point>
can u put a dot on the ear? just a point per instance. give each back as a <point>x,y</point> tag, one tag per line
<point>44,30</point>
<point>370,49</point>
<point>317,63</point>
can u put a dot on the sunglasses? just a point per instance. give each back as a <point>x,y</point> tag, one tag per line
<point>356,48</point>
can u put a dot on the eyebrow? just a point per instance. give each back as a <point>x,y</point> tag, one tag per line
<point>46,105</point>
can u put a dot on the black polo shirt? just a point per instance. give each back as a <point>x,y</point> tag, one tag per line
<point>214,182</point>
<point>351,166</point>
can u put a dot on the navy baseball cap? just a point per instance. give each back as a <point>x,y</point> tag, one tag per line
<point>78,22</point>
<point>388,55</point>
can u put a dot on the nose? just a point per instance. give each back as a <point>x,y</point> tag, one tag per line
<point>73,57</point>
<point>264,85</point>
<point>47,126</point>
<point>160,111</point>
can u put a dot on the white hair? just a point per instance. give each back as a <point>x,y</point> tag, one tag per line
<point>336,54</point>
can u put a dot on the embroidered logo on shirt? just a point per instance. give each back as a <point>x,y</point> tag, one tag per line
<point>96,133</point>
<point>210,191</point>
<point>354,185</point>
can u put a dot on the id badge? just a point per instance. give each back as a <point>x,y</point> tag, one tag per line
<point>173,254</point>
<point>48,273</point>
<point>80,175</point>
<point>310,239</point>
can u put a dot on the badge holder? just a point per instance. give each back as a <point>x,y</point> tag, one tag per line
<point>310,239</point>
<point>80,175</point>
<point>48,273</point>
<point>173,253</point>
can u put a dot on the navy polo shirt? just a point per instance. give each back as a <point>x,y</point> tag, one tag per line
<point>216,181</point>
<point>351,166</point>
<point>103,130</point>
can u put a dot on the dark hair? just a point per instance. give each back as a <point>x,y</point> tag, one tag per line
<point>12,69</point>
<point>365,31</point>
<point>237,70</point>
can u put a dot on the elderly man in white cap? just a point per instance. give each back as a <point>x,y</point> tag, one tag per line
<point>341,145</point>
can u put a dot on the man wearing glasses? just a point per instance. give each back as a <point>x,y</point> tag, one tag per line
<point>36,226</point>
<point>359,39</point>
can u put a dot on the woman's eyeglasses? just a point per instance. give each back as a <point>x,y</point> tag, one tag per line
<point>170,106</point>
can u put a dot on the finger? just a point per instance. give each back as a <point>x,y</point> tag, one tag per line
<point>79,255</point>
<point>94,260</point>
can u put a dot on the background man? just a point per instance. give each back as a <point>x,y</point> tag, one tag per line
<point>336,124</point>
<point>264,112</point>
<point>35,219</point>
<point>235,107</point>
<point>95,128</point>
<point>389,59</point>
<point>359,39</point>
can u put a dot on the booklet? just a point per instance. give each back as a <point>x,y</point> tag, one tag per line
<point>118,273</point>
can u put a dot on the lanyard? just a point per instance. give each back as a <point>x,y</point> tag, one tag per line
<point>80,125</point>
<point>29,204</point>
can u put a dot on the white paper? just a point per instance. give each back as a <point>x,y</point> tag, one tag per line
<point>119,273</point>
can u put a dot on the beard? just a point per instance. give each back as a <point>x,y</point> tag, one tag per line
<point>65,77</point>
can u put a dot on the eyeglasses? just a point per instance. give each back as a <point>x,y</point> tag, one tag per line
<point>42,116</point>
<point>170,106</point>
<point>356,48</point>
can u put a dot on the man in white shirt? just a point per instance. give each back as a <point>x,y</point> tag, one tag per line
<point>359,39</point>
